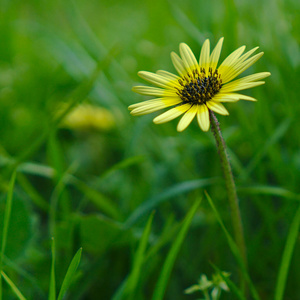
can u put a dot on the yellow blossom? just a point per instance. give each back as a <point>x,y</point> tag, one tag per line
<point>200,85</point>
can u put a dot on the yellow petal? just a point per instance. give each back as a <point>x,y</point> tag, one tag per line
<point>217,107</point>
<point>243,66</point>
<point>158,80</point>
<point>231,59</point>
<point>167,75</point>
<point>228,65</point>
<point>167,100</point>
<point>236,66</point>
<point>233,97</point>
<point>148,90</point>
<point>187,118</point>
<point>214,58</point>
<point>171,114</point>
<point>204,56</point>
<point>147,109</point>
<point>255,76</point>
<point>248,54</point>
<point>150,106</point>
<point>244,83</point>
<point>178,64</point>
<point>203,117</point>
<point>238,86</point>
<point>225,97</point>
<point>188,57</point>
<point>245,97</point>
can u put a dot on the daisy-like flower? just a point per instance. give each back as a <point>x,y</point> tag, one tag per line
<point>200,87</point>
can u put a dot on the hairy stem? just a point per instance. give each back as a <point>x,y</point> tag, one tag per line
<point>230,186</point>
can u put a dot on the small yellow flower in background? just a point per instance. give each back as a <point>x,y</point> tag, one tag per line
<point>86,116</point>
<point>200,86</point>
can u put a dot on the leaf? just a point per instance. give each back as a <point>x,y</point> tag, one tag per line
<point>269,190</point>
<point>13,286</point>
<point>7,214</point>
<point>123,165</point>
<point>287,256</point>
<point>174,191</point>
<point>273,139</point>
<point>170,260</point>
<point>69,275</point>
<point>92,226</point>
<point>101,201</point>
<point>134,276</point>
<point>52,288</point>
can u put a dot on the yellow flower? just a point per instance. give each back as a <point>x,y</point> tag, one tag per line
<point>200,86</point>
<point>86,116</point>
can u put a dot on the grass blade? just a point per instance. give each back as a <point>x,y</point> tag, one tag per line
<point>138,261</point>
<point>170,260</point>
<point>287,256</point>
<point>270,191</point>
<point>6,223</point>
<point>123,164</point>
<point>273,139</point>
<point>234,249</point>
<point>52,288</point>
<point>173,191</point>
<point>13,287</point>
<point>70,273</point>
<point>98,199</point>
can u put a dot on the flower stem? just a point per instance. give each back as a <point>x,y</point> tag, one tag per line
<point>230,186</point>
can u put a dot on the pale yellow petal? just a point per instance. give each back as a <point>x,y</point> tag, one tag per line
<point>148,90</point>
<point>147,109</point>
<point>233,97</point>
<point>168,102</point>
<point>204,56</point>
<point>226,97</point>
<point>255,76</point>
<point>158,80</point>
<point>217,107</point>
<point>244,66</point>
<point>150,106</point>
<point>248,54</point>
<point>187,118</point>
<point>178,64</point>
<point>214,58</point>
<point>167,75</point>
<point>244,83</point>
<point>245,97</point>
<point>229,67</point>
<point>203,117</point>
<point>143,103</point>
<point>231,59</point>
<point>188,57</point>
<point>171,114</point>
<point>238,86</point>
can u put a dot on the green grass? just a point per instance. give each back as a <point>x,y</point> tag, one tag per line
<point>96,187</point>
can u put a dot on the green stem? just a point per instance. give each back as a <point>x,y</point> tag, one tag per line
<point>230,186</point>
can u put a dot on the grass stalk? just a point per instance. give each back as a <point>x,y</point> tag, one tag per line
<point>6,220</point>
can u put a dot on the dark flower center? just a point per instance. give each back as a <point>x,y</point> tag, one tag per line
<point>199,87</point>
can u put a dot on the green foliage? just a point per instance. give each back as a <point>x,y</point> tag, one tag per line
<point>94,184</point>
<point>164,277</point>
<point>287,256</point>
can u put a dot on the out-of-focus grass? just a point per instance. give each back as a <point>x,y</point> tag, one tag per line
<point>96,187</point>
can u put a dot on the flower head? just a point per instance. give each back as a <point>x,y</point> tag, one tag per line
<point>87,116</point>
<point>200,87</point>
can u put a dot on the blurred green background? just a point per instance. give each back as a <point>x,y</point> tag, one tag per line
<point>91,176</point>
